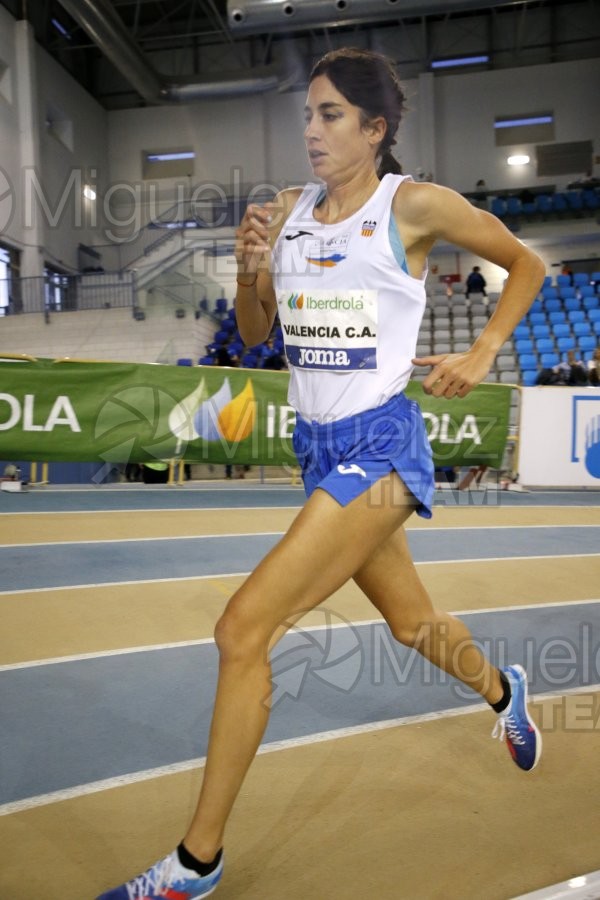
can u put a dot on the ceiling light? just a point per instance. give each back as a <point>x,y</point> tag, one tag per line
<point>89,193</point>
<point>459,61</point>
<point>520,159</point>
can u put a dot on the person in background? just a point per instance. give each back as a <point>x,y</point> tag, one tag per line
<point>593,368</point>
<point>476,283</point>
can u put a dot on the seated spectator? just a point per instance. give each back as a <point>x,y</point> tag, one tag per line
<point>593,368</point>
<point>273,359</point>
<point>475,283</point>
<point>571,372</point>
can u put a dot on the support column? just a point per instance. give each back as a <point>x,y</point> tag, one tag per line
<point>33,233</point>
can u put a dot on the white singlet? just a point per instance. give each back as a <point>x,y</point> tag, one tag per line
<point>349,310</point>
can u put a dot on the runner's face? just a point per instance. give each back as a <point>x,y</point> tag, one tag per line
<point>335,139</point>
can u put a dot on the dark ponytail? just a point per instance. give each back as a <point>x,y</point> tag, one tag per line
<point>368,80</point>
<point>388,165</point>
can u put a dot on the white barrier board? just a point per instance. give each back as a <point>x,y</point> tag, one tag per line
<point>560,437</point>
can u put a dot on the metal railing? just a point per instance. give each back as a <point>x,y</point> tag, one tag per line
<point>64,293</point>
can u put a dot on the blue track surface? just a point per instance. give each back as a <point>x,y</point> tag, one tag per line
<point>51,565</point>
<point>101,499</point>
<point>75,722</point>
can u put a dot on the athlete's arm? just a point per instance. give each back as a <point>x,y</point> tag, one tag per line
<point>255,302</point>
<point>427,213</point>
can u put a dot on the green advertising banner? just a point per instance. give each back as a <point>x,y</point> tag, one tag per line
<point>76,411</point>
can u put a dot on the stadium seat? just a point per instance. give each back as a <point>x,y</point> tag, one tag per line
<point>572,303</point>
<point>529,377</point>
<point>552,305</point>
<point>221,336</point>
<point>184,361</point>
<point>587,290</point>
<point>591,200</point>
<point>587,343</point>
<point>513,206</point>
<point>478,309</point>
<point>567,292</point>
<point>561,330</point>
<point>536,307</point>
<point>565,343</point>
<point>541,331</point>
<point>528,361</point>
<point>575,200</point>
<point>221,305</point>
<point>206,361</point>
<point>576,315</point>
<point>524,345</point>
<point>590,302</point>
<point>595,277</point>
<point>559,203</point>
<point>462,346</point>
<point>505,362</point>
<point>580,279</point>
<point>521,331</point>
<point>537,318</point>
<point>509,377</point>
<point>498,207</point>
<point>549,292</point>
<point>543,204</point>
<point>582,328</point>
<point>544,345</point>
<point>557,318</point>
<point>548,360</point>
<point>479,321</point>
<point>563,280</point>
<point>594,315</point>
<point>596,327</point>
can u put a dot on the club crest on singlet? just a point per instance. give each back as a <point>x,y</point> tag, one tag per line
<point>332,330</point>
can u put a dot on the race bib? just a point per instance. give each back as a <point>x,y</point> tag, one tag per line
<point>333,330</point>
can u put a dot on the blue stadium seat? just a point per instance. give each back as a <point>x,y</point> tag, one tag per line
<point>587,343</point>
<point>557,318</point>
<point>581,278</point>
<point>596,327</point>
<point>589,354</point>
<point>184,362</point>
<point>529,377</point>
<point>541,331</point>
<point>536,307</point>
<point>543,203</point>
<point>582,328</point>
<point>590,302</point>
<point>549,359</point>
<point>562,330</point>
<point>206,361</point>
<point>591,200</point>
<point>498,207</point>
<point>537,318</point>
<point>552,305</point>
<point>221,336</point>
<point>576,315</point>
<point>567,292</point>
<point>565,343</point>
<point>513,206</point>
<point>547,281</point>
<point>549,292</point>
<point>544,345</point>
<point>221,305</point>
<point>594,315</point>
<point>563,280</point>
<point>528,361</point>
<point>595,277</point>
<point>575,200</point>
<point>572,303</point>
<point>559,203</point>
<point>524,345</point>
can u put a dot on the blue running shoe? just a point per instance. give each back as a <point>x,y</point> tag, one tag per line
<point>522,737</point>
<point>167,880</point>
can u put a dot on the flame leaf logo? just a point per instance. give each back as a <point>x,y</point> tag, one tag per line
<point>214,418</point>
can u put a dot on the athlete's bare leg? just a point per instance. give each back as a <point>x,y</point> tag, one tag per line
<point>325,546</point>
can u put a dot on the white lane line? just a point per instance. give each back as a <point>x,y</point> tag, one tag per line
<point>299,627</point>
<point>157,509</point>
<point>119,781</point>
<point>168,537</point>
<point>430,562</point>
<point>243,534</point>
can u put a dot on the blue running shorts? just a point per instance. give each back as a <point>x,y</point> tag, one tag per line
<point>349,455</point>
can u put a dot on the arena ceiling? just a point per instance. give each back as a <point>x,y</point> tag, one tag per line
<point>129,53</point>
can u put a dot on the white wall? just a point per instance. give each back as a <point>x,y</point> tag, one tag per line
<point>56,89</point>
<point>107,334</point>
<point>466,106</point>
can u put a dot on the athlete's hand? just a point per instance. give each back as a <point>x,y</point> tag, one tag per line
<point>252,238</point>
<point>455,374</point>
